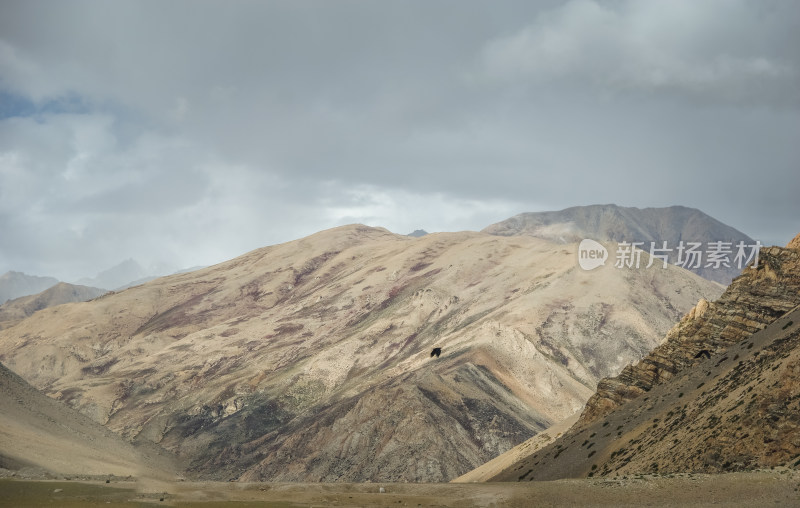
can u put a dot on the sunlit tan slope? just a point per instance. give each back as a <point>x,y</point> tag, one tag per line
<point>311,360</point>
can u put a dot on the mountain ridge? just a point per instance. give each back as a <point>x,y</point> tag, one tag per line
<point>16,284</point>
<point>280,364</point>
<point>19,308</point>
<point>616,223</point>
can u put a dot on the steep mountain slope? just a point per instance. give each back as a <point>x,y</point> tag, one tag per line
<point>721,393</point>
<point>38,431</point>
<point>616,224</point>
<point>16,284</point>
<point>751,302</point>
<point>22,307</point>
<point>311,360</point>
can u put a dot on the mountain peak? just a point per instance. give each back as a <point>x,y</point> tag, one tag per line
<point>613,223</point>
<point>16,284</point>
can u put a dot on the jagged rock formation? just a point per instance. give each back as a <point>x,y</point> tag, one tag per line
<point>754,300</point>
<point>614,223</point>
<point>736,408</point>
<point>20,308</point>
<point>311,360</point>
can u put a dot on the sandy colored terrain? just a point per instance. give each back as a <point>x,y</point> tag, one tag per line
<point>18,309</point>
<point>765,488</point>
<point>37,432</point>
<point>503,461</point>
<point>310,360</point>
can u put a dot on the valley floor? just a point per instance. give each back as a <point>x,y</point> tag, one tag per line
<point>764,488</point>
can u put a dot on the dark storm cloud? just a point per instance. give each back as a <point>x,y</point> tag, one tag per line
<point>190,132</point>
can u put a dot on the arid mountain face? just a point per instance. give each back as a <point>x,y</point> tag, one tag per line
<point>22,307</point>
<point>721,393</point>
<point>311,360</point>
<point>16,284</point>
<point>612,223</point>
<point>37,431</point>
<point>753,301</point>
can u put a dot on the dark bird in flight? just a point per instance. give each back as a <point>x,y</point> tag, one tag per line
<point>703,352</point>
<point>436,352</point>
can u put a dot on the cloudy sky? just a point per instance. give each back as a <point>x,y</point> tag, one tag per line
<point>191,132</point>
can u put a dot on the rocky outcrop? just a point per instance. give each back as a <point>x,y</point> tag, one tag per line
<point>795,243</point>
<point>754,300</point>
<point>738,410</point>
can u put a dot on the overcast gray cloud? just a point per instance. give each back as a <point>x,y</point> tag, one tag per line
<point>189,132</point>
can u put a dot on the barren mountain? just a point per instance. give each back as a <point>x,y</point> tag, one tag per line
<point>722,393</point>
<point>22,307</point>
<point>126,274</point>
<point>612,223</point>
<point>37,431</point>
<point>311,360</point>
<point>16,284</point>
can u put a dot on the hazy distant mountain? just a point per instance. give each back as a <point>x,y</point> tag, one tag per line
<point>311,360</point>
<point>126,274</point>
<point>16,284</point>
<point>418,233</point>
<point>22,307</point>
<point>615,223</point>
<point>721,393</point>
<point>37,431</point>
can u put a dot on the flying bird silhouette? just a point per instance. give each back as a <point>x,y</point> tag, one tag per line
<point>436,352</point>
<point>702,353</point>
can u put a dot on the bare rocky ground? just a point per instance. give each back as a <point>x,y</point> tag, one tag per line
<point>779,487</point>
<point>720,394</point>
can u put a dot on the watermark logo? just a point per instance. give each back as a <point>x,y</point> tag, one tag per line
<point>591,254</point>
<point>689,255</point>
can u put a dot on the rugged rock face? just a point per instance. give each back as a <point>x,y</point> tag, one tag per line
<point>722,393</point>
<point>311,360</point>
<point>738,410</point>
<point>612,223</point>
<point>753,301</point>
<point>794,243</point>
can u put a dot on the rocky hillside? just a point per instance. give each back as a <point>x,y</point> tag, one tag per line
<point>311,360</point>
<point>44,434</point>
<point>614,223</point>
<point>721,393</point>
<point>16,284</point>
<point>22,307</point>
<point>750,303</point>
